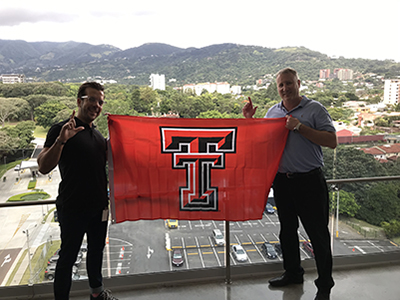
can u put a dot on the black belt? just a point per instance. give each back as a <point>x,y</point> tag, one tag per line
<point>297,175</point>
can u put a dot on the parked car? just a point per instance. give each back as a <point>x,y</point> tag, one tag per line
<point>172,223</point>
<point>177,257</point>
<point>307,246</point>
<point>55,258</point>
<point>239,253</point>
<point>268,250</point>
<point>17,168</point>
<point>278,249</point>
<point>51,269</point>
<point>269,208</point>
<point>218,237</point>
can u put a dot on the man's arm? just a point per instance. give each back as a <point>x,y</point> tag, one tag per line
<point>48,158</point>
<point>319,137</point>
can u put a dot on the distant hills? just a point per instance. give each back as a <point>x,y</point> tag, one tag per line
<point>237,64</point>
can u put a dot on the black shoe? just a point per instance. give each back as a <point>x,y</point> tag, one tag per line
<point>286,279</point>
<point>322,296</point>
<point>104,295</point>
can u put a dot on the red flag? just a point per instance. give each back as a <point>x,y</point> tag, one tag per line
<point>192,169</point>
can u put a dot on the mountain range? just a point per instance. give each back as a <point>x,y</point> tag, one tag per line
<point>236,64</point>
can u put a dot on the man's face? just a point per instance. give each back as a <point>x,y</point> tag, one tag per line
<point>288,87</point>
<point>90,105</point>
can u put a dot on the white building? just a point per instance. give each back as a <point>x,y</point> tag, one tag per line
<point>219,87</point>
<point>13,78</point>
<point>157,82</point>
<point>391,91</point>
<point>236,89</point>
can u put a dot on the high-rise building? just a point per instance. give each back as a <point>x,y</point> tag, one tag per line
<point>157,82</point>
<point>343,74</point>
<point>324,73</point>
<point>391,91</point>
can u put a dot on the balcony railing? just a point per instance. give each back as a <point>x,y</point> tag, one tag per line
<point>129,263</point>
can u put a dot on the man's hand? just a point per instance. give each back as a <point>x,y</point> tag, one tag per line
<point>69,129</point>
<point>248,110</point>
<point>291,122</point>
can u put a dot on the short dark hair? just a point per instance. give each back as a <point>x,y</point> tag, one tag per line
<point>93,85</point>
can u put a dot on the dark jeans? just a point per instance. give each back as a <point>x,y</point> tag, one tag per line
<point>305,197</point>
<point>73,227</point>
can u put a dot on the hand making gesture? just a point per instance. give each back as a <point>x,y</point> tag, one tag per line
<point>69,129</point>
<point>248,110</point>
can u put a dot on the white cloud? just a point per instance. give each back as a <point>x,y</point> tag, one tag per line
<point>342,28</point>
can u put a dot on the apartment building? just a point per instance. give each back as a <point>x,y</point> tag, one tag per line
<point>391,91</point>
<point>324,73</point>
<point>157,82</point>
<point>12,78</point>
<point>343,74</point>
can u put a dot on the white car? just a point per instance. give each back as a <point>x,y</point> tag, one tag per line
<point>218,237</point>
<point>238,253</point>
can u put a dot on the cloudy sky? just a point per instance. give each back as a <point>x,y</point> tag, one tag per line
<point>349,28</point>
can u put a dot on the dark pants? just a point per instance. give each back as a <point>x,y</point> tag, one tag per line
<point>73,227</point>
<point>305,196</point>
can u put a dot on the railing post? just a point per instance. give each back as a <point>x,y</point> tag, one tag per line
<point>227,256</point>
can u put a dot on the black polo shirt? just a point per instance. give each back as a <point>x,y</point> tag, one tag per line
<point>82,165</point>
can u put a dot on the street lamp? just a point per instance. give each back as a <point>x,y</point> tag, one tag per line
<point>26,231</point>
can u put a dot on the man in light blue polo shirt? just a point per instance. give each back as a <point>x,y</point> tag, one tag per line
<point>300,189</point>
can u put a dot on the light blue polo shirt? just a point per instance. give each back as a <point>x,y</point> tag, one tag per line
<point>300,154</point>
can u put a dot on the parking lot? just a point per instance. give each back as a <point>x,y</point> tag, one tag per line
<point>200,251</point>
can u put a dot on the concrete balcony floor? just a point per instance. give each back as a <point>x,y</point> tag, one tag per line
<point>358,277</point>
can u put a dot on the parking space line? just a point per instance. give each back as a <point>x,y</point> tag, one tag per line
<point>375,246</point>
<point>256,248</point>
<point>184,251</point>
<point>359,249</point>
<point>201,257</point>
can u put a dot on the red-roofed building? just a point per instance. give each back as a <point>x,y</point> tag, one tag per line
<point>384,152</point>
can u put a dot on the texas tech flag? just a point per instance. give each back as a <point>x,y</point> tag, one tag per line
<point>192,169</point>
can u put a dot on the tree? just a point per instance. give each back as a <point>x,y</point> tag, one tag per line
<point>147,100</point>
<point>116,107</point>
<point>338,113</point>
<point>10,108</point>
<point>352,163</point>
<point>392,228</point>
<point>202,103</point>
<point>212,114</point>
<point>46,113</point>
<point>347,203</point>
<point>8,144</point>
<point>7,109</point>
<point>35,101</point>
<point>382,204</point>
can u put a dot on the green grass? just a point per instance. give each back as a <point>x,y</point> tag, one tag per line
<point>5,168</point>
<point>35,259</point>
<point>40,132</point>
<point>31,196</point>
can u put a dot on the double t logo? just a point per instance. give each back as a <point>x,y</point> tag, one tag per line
<point>198,150</point>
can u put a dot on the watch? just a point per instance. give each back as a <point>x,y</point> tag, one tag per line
<point>297,127</point>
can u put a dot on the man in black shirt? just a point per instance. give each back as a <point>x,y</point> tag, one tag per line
<point>82,203</point>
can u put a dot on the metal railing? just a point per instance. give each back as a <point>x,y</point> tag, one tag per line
<point>197,275</point>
